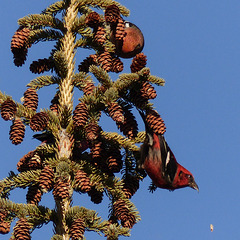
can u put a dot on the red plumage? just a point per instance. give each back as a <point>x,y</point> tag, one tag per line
<point>158,160</point>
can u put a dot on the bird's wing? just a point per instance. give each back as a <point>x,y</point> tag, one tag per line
<point>168,160</point>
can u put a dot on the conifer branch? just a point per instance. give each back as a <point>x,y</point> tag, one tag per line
<point>41,20</point>
<point>43,81</point>
<point>21,180</point>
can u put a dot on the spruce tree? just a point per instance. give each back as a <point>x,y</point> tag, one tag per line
<point>76,153</point>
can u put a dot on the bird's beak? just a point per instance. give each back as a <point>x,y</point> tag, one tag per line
<point>193,185</point>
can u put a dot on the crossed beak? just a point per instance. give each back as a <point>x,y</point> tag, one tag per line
<point>193,185</point>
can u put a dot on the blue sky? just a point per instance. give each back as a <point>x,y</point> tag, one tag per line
<point>194,46</point>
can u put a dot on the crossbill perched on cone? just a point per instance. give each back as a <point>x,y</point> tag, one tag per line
<point>158,160</point>
<point>132,43</point>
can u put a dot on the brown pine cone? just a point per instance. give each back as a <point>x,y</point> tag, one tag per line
<point>100,35</point>
<point>120,30</point>
<point>39,121</point>
<point>96,151</point>
<point>41,65</point>
<point>114,161</point>
<point>88,88</point>
<point>138,62</point>
<point>80,115</point>
<point>55,104</point>
<point>3,215</point>
<point>35,162</point>
<point>34,195</point>
<point>4,227</point>
<point>129,222</point>
<point>82,181</point>
<point>17,131</point>
<point>61,189</point>
<point>120,210</point>
<point>96,196</point>
<point>23,162</point>
<point>155,122</point>
<point>116,112</point>
<point>92,131</point>
<point>19,45</point>
<point>131,185</point>
<point>93,19</point>
<point>46,179</point>
<point>148,91</point>
<point>105,61</point>
<point>77,229</point>
<point>87,62</point>
<point>112,14</point>
<point>21,231</point>
<point>8,110</point>
<point>20,38</point>
<point>129,127</point>
<point>117,65</point>
<point>31,99</point>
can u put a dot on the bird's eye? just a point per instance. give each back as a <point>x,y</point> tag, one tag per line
<point>189,176</point>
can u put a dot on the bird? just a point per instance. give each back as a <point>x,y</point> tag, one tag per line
<point>159,162</point>
<point>132,43</point>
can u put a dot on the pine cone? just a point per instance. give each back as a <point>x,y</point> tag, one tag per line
<point>21,231</point>
<point>112,14</point>
<point>114,161</point>
<point>120,210</point>
<point>131,185</point>
<point>4,227</point>
<point>120,30</point>
<point>35,162</point>
<point>89,87</point>
<point>155,122</point>
<point>129,222</point>
<point>116,112</point>
<point>17,131</point>
<point>39,121</point>
<point>77,229</point>
<point>20,39</point>
<point>138,62</point>
<point>92,131</point>
<point>129,127</point>
<point>61,189</point>
<point>8,110</point>
<point>117,65</point>
<point>23,162</point>
<point>41,65</point>
<point>96,151</point>
<point>34,195</point>
<point>148,91</point>
<point>55,104</point>
<point>31,99</point>
<point>87,62</point>
<point>100,35</point>
<point>93,19</point>
<point>19,46</point>
<point>3,215</point>
<point>105,61</point>
<point>80,115</point>
<point>46,179</point>
<point>82,181</point>
<point>96,196</point>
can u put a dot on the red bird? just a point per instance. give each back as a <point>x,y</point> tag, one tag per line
<point>133,42</point>
<point>159,162</point>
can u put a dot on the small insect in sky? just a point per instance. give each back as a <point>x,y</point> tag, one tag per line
<point>211,227</point>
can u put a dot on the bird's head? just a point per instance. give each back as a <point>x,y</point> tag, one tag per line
<point>184,178</point>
